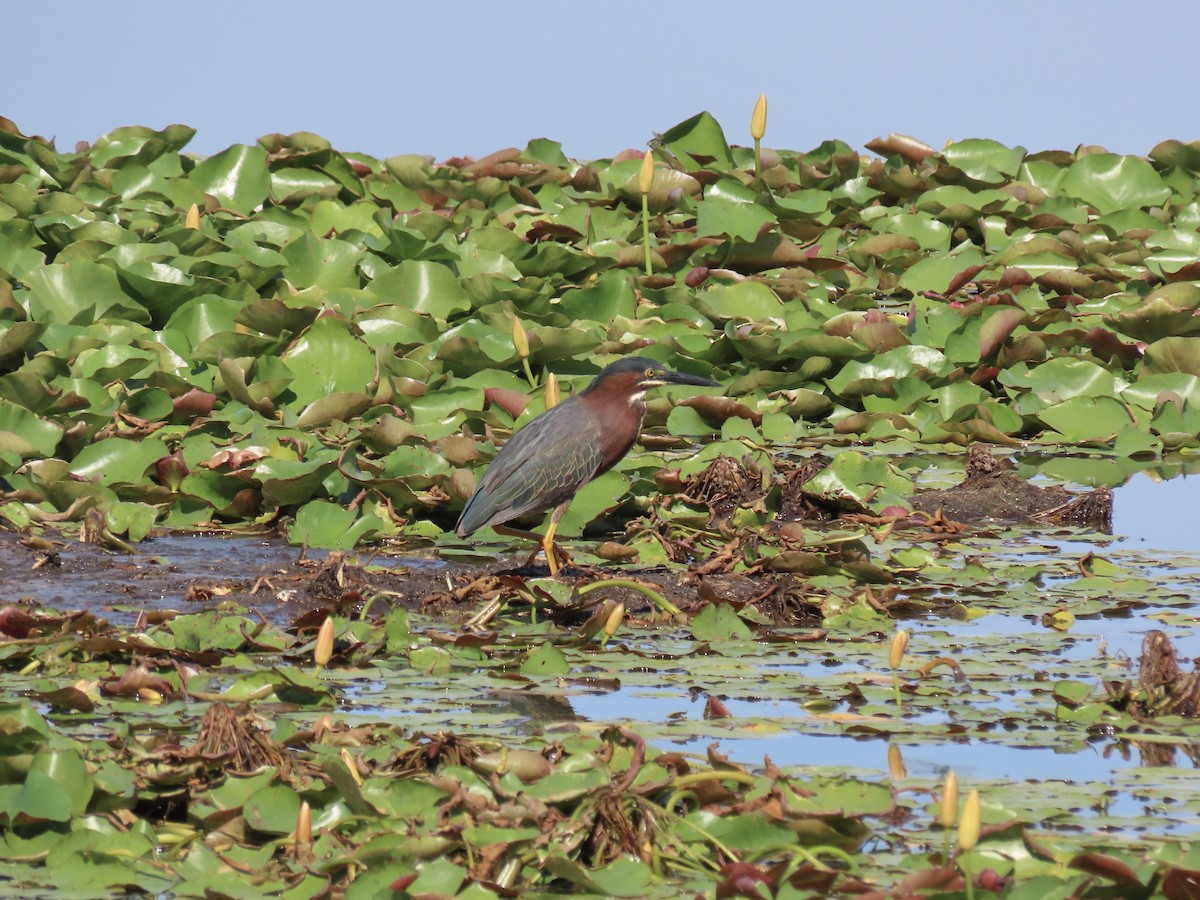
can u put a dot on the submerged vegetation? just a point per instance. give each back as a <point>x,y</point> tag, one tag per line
<point>285,337</point>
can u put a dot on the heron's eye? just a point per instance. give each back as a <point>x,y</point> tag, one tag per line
<point>650,373</point>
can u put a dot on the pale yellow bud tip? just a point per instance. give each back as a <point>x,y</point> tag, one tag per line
<point>899,645</point>
<point>350,764</point>
<point>896,767</point>
<point>758,121</point>
<point>323,651</point>
<point>949,812</point>
<point>553,395</point>
<point>646,176</point>
<point>520,339</point>
<point>193,218</point>
<point>968,829</point>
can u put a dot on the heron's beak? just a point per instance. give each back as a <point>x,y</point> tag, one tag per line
<point>684,378</point>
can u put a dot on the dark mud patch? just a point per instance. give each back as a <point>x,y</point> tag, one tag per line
<point>990,492</point>
<point>191,572</point>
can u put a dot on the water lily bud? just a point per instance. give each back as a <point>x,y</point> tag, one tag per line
<point>949,813</point>
<point>324,648</point>
<point>899,645</point>
<point>646,176</point>
<point>615,617</point>
<point>350,764</point>
<point>171,470</point>
<point>553,395</point>
<point>304,823</point>
<point>896,767</point>
<point>758,121</point>
<point>192,220</point>
<point>520,338</point>
<point>968,829</point>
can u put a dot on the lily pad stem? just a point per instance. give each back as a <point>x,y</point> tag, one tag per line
<point>646,233</point>
<point>658,599</point>
<point>757,166</point>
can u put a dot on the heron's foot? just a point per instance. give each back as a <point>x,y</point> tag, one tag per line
<point>556,557</point>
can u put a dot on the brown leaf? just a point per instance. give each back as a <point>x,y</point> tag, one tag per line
<point>715,709</point>
<point>133,680</point>
<point>193,404</point>
<point>715,410</point>
<point>741,879</point>
<point>908,148</point>
<point>512,402</point>
<point>1181,884</point>
<point>962,278</point>
<point>1106,867</point>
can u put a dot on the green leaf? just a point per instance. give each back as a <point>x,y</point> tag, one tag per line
<point>745,300</point>
<point>329,358</point>
<point>729,209</point>
<point>237,177</point>
<point>422,286</point>
<point>545,660</point>
<point>699,141</point>
<point>117,460</point>
<point>81,292</point>
<point>719,622</point>
<point>1082,419</point>
<point>1109,182</point>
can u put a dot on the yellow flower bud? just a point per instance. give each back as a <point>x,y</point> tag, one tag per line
<point>758,121</point>
<point>899,645</point>
<point>304,824</point>
<point>896,767</point>
<point>553,395</point>
<point>646,176</point>
<point>350,764</point>
<point>615,617</point>
<point>324,648</point>
<point>968,829</point>
<point>192,220</point>
<point>520,339</point>
<point>949,813</point>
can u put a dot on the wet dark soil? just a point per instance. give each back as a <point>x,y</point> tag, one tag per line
<point>990,492</point>
<point>187,573</point>
<point>174,572</point>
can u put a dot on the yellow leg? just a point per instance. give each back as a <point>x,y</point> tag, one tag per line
<point>548,549</point>
<point>546,542</point>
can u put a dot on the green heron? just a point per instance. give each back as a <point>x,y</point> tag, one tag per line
<point>545,464</point>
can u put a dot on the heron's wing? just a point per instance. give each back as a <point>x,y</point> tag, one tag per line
<point>541,466</point>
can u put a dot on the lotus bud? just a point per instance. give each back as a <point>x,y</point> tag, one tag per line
<point>899,645</point>
<point>949,813</point>
<point>615,617</point>
<point>553,395</point>
<point>323,651</point>
<point>968,829</point>
<point>192,220</point>
<point>304,824</point>
<point>520,338</point>
<point>758,121</point>
<point>646,176</point>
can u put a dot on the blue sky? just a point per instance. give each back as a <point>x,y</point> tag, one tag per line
<point>469,78</point>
